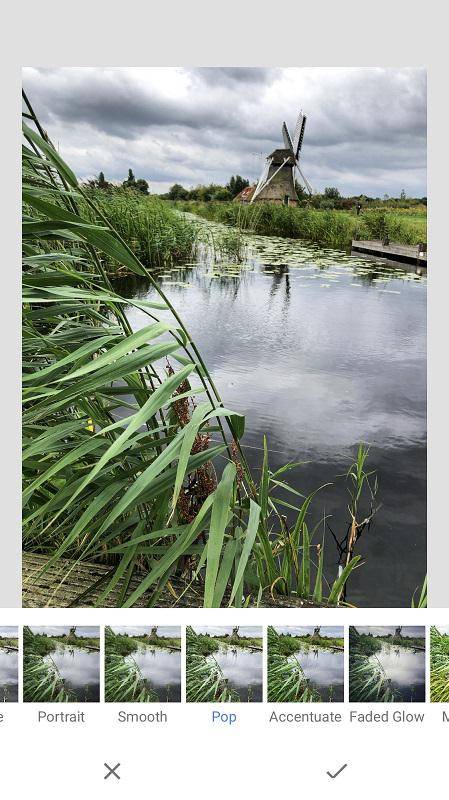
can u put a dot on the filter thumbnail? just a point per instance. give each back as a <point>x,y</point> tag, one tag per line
<point>142,664</point>
<point>387,664</point>
<point>9,664</point>
<point>224,664</point>
<point>305,664</point>
<point>61,664</point>
<point>439,664</point>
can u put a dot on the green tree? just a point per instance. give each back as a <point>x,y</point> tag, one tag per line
<point>142,186</point>
<point>236,184</point>
<point>102,182</point>
<point>331,193</point>
<point>177,192</point>
<point>222,193</point>
<point>300,191</point>
<point>130,182</point>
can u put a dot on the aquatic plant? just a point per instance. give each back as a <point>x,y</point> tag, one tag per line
<point>205,682</point>
<point>439,666</point>
<point>286,680</point>
<point>119,466</point>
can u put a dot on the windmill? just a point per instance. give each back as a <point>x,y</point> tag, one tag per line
<point>277,182</point>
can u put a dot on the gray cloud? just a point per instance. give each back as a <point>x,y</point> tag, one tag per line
<point>233,75</point>
<point>366,128</point>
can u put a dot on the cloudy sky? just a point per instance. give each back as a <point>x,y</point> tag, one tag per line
<point>9,632</point>
<point>365,133</point>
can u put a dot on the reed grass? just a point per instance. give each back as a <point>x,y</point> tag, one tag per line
<point>156,234</point>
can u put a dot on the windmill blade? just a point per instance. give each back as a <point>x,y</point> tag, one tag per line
<point>301,137</point>
<point>297,134</point>
<point>305,181</point>
<point>262,180</point>
<point>287,138</point>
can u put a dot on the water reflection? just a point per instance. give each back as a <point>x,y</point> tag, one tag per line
<point>9,676</point>
<point>80,669</point>
<point>322,351</point>
<point>325,670</point>
<point>162,669</point>
<point>405,668</point>
<point>242,668</point>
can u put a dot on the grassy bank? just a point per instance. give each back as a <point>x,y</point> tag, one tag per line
<point>157,235</point>
<point>210,644</point>
<point>42,644</point>
<point>287,645</point>
<point>328,228</point>
<point>8,642</point>
<point>124,645</point>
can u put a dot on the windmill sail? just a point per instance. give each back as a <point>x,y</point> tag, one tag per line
<point>297,133</point>
<point>287,138</point>
<point>301,137</point>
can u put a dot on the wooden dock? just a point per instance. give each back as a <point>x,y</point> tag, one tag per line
<point>69,584</point>
<point>414,255</point>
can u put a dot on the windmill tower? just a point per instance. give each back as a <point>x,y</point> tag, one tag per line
<point>277,182</point>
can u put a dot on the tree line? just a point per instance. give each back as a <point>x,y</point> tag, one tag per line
<point>131,182</point>
<point>330,198</point>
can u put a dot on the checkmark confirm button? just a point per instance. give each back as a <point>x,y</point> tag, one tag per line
<point>336,774</point>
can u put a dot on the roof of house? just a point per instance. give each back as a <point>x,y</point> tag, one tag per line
<point>246,194</point>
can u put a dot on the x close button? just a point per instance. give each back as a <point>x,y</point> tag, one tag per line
<point>111,771</point>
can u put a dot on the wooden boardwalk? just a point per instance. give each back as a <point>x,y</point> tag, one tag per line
<point>401,253</point>
<point>68,584</point>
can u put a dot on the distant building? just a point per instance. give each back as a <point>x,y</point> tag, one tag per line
<point>277,182</point>
<point>245,195</point>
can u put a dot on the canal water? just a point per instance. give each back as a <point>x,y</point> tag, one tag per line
<point>9,678</point>
<point>242,669</point>
<point>80,670</point>
<point>162,669</point>
<point>405,668</point>
<point>321,351</point>
<point>324,669</point>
